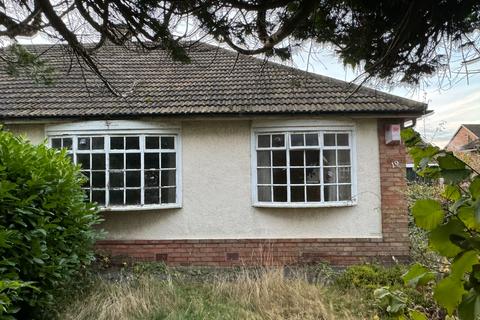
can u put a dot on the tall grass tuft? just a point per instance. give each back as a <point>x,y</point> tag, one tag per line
<point>261,294</point>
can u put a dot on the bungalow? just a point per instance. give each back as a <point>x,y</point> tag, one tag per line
<point>227,160</point>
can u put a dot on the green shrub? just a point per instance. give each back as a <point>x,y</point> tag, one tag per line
<point>368,276</point>
<point>46,226</point>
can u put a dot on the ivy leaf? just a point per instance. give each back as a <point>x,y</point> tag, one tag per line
<point>464,264</point>
<point>448,293</point>
<point>410,137</point>
<point>467,215</point>
<point>474,188</point>
<point>417,315</point>
<point>428,213</point>
<point>452,193</point>
<point>455,176</point>
<point>469,309</point>
<point>450,162</point>
<point>418,275</point>
<point>440,238</point>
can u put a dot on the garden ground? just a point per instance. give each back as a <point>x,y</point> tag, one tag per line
<point>154,291</point>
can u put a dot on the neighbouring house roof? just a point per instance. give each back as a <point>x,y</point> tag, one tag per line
<point>474,128</point>
<point>217,81</point>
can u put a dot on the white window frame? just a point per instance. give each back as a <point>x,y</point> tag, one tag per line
<point>114,128</point>
<point>296,127</point>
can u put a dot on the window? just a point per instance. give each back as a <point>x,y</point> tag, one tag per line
<point>308,167</point>
<point>126,170</point>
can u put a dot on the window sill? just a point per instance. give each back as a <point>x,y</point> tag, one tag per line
<point>141,208</point>
<point>305,205</point>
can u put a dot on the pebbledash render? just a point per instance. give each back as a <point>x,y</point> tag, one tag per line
<point>224,161</point>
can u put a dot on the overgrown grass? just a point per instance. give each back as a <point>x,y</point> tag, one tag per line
<point>259,294</point>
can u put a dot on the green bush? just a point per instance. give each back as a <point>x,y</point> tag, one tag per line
<point>368,276</point>
<point>46,226</point>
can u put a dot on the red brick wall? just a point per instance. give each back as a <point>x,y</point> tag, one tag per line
<point>462,137</point>
<point>226,252</point>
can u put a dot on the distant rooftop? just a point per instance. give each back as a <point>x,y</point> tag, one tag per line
<point>474,128</point>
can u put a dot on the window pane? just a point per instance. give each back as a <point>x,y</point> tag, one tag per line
<point>342,139</point>
<point>152,143</point>
<point>116,197</point>
<point>168,178</point>
<point>296,158</point>
<point>116,143</point>
<point>264,194</point>
<point>263,159</point>
<point>329,158</point>
<point>279,158</point>
<point>152,179</point>
<point>97,143</point>
<point>329,175</point>
<point>168,160</point>
<point>98,196</point>
<point>280,194</point>
<point>98,161</point>
<point>329,139</point>
<point>83,160</point>
<point>168,195</point>
<point>56,143</point>
<point>312,157</point>
<point>313,175</point>
<point>263,141</point>
<point>344,174</point>
<point>67,143</point>
<point>151,161</point>
<point>168,143</point>
<point>279,176</point>
<point>311,139</point>
<point>98,179</point>
<point>152,196</point>
<point>297,194</point>
<point>330,193</point>
<point>133,197</point>
<point>132,143</point>
<point>297,139</point>
<point>296,176</point>
<point>116,160</point>
<point>343,157</point>
<point>133,178</point>
<point>83,143</point>
<point>133,160</point>
<point>116,179</point>
<point>263,176</point>
<point>345,192</point>
<point>278,140</point>
<point>313,193</point>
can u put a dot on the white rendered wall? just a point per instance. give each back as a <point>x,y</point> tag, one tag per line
<point>217,192</point>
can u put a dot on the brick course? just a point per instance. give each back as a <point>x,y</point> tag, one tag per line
<point>232,252</point>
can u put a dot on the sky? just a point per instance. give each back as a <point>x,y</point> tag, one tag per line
<point>452,105</point>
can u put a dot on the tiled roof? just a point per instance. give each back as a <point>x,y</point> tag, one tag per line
<point>215,82</point>
<point>474,128</point>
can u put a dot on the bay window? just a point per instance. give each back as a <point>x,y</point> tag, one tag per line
<point>311,167</point>
<point>134,170</point>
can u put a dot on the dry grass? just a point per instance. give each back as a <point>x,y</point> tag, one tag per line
<point>261,295</point>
